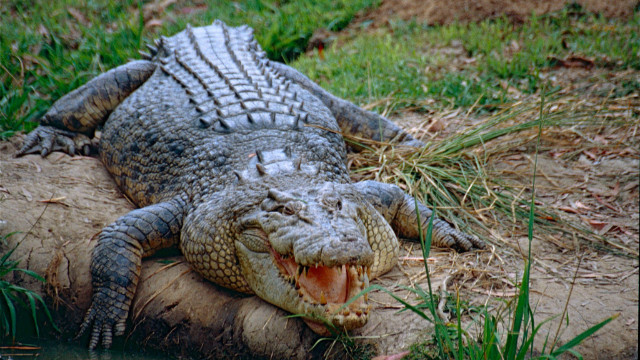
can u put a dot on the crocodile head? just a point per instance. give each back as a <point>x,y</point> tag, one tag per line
<point>306,250</point>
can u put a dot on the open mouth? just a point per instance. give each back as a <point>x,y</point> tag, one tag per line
<point>329,287</point>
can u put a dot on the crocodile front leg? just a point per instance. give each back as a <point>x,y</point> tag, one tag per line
<point>76,115</point>
<point>116,262</point>
<point>399,210</point>
<point>353,120</point>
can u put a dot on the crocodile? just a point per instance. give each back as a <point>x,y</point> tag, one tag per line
<point>241,162</point>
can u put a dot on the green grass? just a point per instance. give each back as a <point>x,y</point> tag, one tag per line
<point>450,340</point>
<point>13,298</point>
<point>519,341</point>
<point>46,50</point>
<point>399,63</point>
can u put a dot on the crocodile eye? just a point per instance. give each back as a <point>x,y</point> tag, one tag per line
<point>292,207</point>
<point>288,210</point>
<point>332,202</point>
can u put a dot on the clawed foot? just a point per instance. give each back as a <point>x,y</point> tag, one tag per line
<point>107,317</point>
<point>45,139</point>
<point>447,236</point>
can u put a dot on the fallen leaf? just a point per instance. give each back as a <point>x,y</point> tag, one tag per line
<point>580,206</point>
<point>151,9</point>
<point>557,153</point>
<point>192,9</point>
<point>57,200</point>
<point>590,155</point>
<point>631,185</point>
<point>27,194</point>
<point>571,61</point>
<point>597,224</point>
<point>78,16</point>
<point>153,23</point>
<point>605,203</point>
<point>601,139</point>
<point>569,209</point>
<point>628,151</point>
<point>42,30</point>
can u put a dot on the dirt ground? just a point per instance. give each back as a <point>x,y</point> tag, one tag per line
<point>60,203</point>
<point>448,11</point>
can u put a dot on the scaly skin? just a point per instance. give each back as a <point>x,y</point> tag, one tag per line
<point>240,162</point>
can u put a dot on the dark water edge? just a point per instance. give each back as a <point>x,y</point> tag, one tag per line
<point>62,350</point>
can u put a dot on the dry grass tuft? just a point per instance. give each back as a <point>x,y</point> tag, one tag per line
<point>476,171</point>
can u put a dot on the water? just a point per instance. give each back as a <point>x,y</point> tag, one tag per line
<point>61,350</point>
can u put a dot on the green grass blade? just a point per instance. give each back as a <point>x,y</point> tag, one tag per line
<point>583,335</point>
<point>31,273</point>
<point>5,257</point>
<point>34,316</point>
<point>490,348</point>
<point>522,307</point>
<point>12,312</point>
<point>46,311</point>
<point>459,326</point>
<point>527,344</point>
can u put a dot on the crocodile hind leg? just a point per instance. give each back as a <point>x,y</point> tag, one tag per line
<point>399,209</point>
<point>353,120</point>
<point>76,115</point>
<point>116,262</point>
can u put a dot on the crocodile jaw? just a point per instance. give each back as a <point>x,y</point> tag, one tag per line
<point>309,291</point>
<point>331,287</point>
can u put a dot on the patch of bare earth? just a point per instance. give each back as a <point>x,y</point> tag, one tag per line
<point>588,176</point>
<point>448,11</point>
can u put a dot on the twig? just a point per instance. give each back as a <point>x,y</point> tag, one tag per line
<point>566,303</point>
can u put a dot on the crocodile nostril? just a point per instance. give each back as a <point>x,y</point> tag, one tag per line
<point>348,238</point>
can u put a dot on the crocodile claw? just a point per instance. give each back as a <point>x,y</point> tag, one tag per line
<point>447,236</point>
<point>103,317</point>
<point>45,139</point>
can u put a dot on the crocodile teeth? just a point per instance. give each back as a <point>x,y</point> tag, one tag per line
<point>366,297</point>
<point>366,280</point>
<point>296,277</point>
<point>323,299</point>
